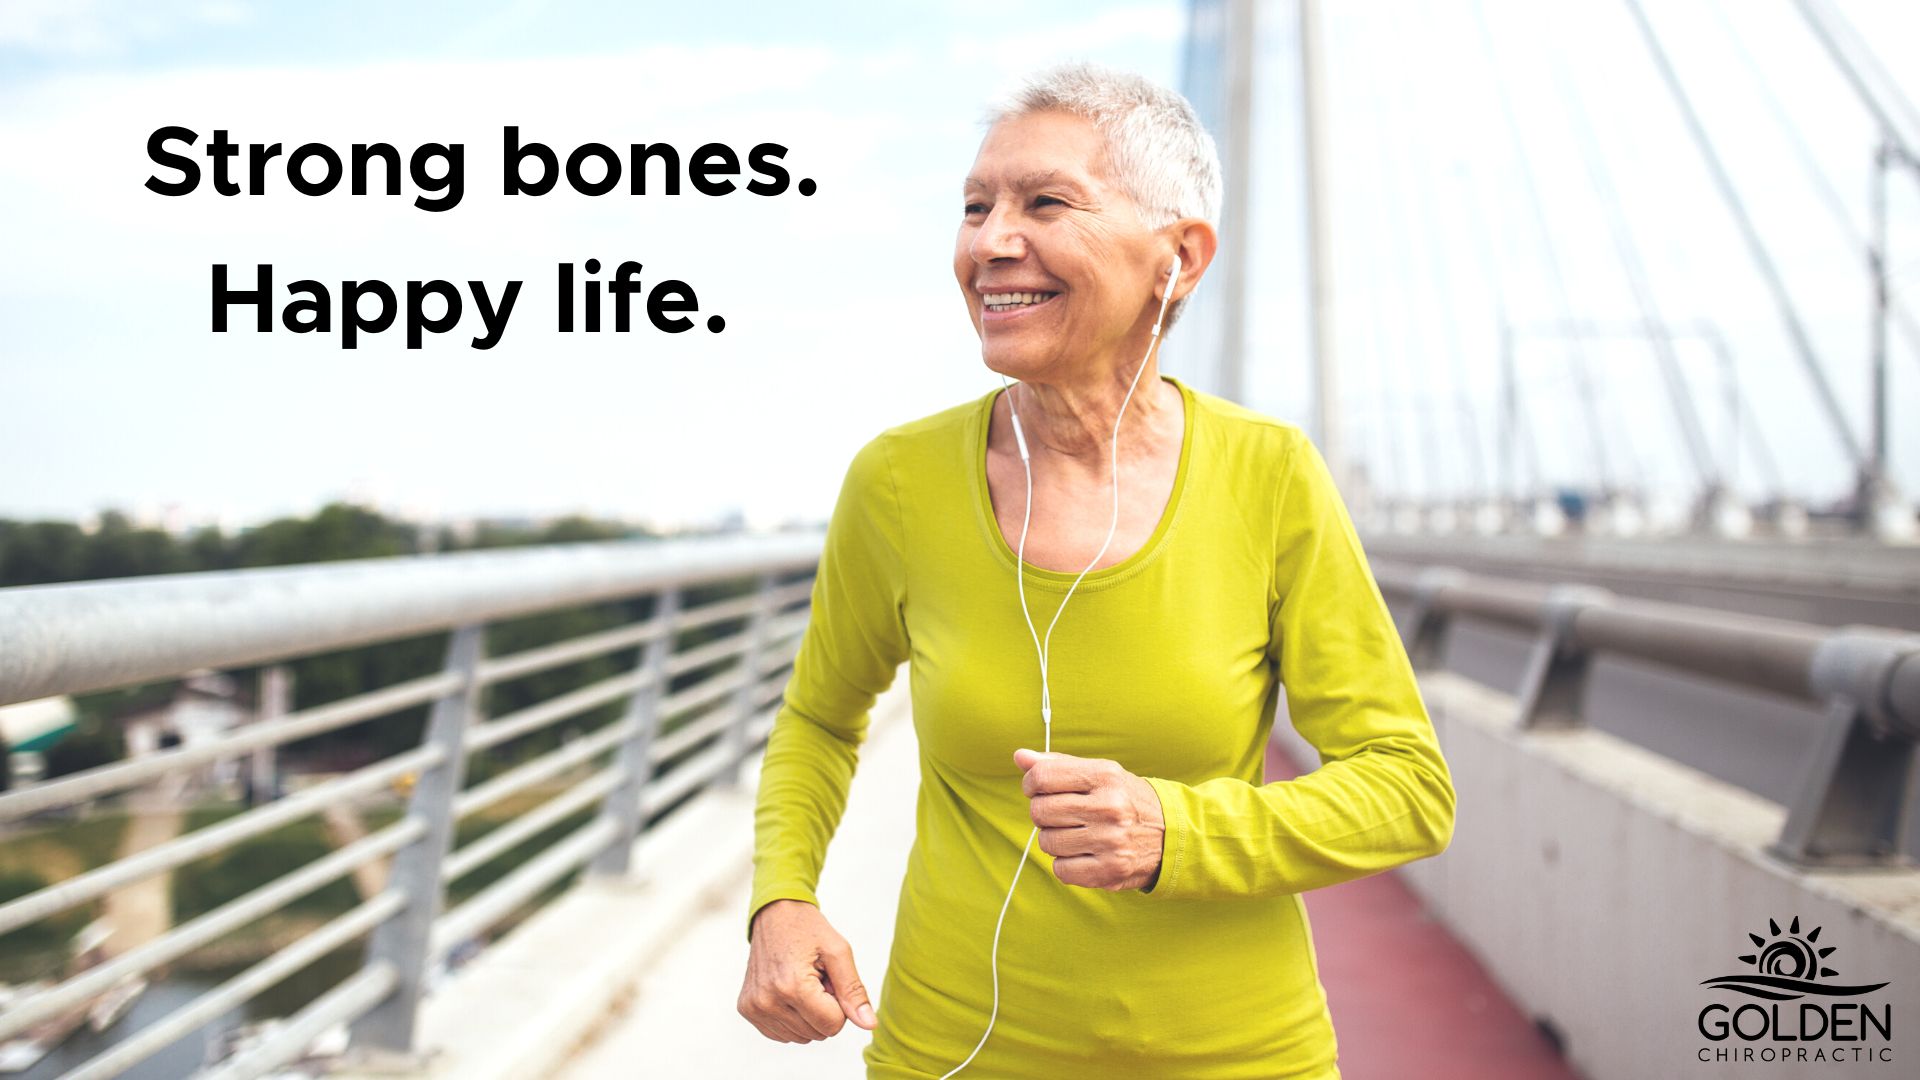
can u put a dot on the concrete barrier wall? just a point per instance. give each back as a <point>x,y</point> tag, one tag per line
<point>1601,883</point>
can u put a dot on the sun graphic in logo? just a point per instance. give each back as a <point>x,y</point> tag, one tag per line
<point>1788,967</point>
<point>1790,955</point>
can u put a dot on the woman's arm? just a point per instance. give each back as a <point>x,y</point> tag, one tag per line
<point>1383,795</point>
<point>854,644</point>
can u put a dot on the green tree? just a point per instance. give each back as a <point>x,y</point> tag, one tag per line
<point>42,552</point>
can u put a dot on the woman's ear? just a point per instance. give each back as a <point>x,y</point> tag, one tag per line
<point>1196,242</point>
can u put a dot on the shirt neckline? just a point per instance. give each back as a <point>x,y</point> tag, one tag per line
<point>1061,580</point>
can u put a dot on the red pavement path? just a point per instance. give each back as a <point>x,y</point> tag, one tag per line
<point>1409,1002</point>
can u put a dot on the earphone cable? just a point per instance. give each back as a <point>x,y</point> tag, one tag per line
<point>1019,570</point>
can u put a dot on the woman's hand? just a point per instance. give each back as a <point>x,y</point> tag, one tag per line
<point>801,985</point>
<point>1101,823</point>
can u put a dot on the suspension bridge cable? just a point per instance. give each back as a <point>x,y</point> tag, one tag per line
<point>1757,248</point>
<point>1429,459</point>
<point>1816,173</point>
<point>1435,246</point>
<point>1744,418</point>
<point>1583,376</point>
<point>1627,250</point>
<point>1828,27</point>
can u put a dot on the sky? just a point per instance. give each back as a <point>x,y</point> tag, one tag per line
<point>1440,132</point>
<point>842,315</point>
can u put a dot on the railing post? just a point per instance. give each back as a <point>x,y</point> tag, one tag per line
<point>276,700</point>
<point>623,804</point>
<point>746,697</point>
<point>1851,799</point>
<point>387,1030</point>
<point>1556,675</point>
<point>1427,622</point>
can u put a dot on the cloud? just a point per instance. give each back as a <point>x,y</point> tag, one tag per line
<point>94,28</point>
<point>842,314</point>
<point>1006,54</point>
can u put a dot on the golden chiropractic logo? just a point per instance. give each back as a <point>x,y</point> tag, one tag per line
<point>1790,967</point>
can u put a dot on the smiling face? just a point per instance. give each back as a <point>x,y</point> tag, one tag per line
<point>1073,274</point>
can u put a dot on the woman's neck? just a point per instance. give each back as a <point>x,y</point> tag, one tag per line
<point>1076,420</point>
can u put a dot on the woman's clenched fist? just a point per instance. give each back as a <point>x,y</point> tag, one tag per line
<point>801,984</point>
<point>1102,824</point>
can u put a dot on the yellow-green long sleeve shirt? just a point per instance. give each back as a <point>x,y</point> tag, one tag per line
<point>1169,663</point>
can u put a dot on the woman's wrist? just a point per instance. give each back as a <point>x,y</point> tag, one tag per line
<point>777,906</point>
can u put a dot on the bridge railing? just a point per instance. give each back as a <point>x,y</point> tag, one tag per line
<point>1851,799</point>
<point>688,717</point>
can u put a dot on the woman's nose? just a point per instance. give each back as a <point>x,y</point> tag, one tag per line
<point>998,238</point>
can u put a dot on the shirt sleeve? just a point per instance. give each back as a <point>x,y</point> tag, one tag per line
<point>1383,794</point>
<point>850,652</point>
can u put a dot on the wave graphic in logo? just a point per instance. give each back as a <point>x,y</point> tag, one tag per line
<point>1789,967</point>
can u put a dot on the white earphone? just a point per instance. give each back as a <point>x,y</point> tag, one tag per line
<point>1046,698</point>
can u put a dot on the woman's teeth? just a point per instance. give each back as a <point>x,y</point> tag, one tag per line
<point>1009,301</point>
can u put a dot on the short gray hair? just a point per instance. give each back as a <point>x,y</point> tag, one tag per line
<point>1158,151</point>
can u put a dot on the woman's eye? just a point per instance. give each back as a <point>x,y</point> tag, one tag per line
<point>1038,200</point>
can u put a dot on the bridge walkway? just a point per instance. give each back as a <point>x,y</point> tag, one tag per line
<point>1407,998</point>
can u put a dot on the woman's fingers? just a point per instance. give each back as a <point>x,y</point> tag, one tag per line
<point>813,1008</point>
<point>774,1030</point>
<point>795,1008</point>
<point>1079,840</point>
<point>792,1027</point>
<point>765,1012</point>
<point>1102,824</point>
<point>843,981</point>
<point>790,1016</point>
<point>801,985</point>
<point>761,1013</point>
<point>1062,810</point>
<point>1081,870</point>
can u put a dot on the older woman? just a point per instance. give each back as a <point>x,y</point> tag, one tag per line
<point>1208,561</point>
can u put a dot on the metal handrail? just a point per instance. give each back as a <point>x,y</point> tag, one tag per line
<point>353,997</point>
<point>547,657</point>
<point>123,775</point>
<point>555,709</point>
<point>264,900</point>
<point>200,843</point>
<point>498,900</point>
<point>99,635</point>
<point>545,767</point>
<point>140,629</point>
<point>120,776</point>
<point>1850,804</point>
<point>464,860</point>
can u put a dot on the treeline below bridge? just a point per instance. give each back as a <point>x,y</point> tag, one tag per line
<point>49,552</point>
